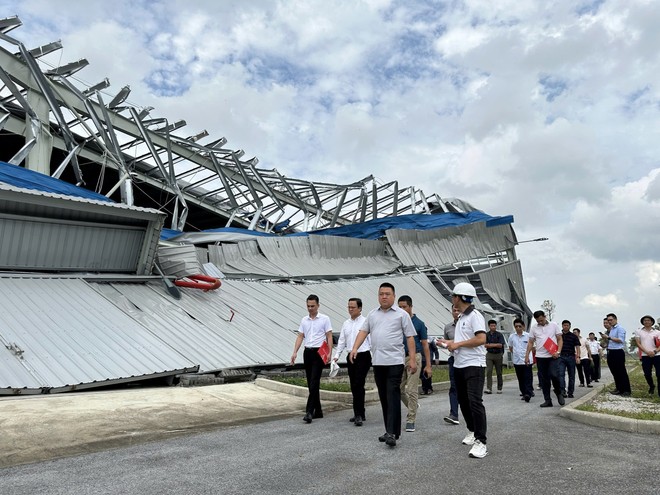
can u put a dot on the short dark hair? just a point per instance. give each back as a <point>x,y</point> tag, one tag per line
<point>566,321</point>
<point>490,322</point>
<point>576,330</point>
<point>313,297</point>
<point>612,315</point>
<point>357,301</point>
<point>538,313</point>
<point>518,320</point>
<point>591,333</point>
<point>605,319</point>
<point>387,285</point>
<point>406,299</point>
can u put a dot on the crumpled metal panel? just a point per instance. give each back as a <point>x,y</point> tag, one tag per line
<point>69,337</point>
<point>445,246</point>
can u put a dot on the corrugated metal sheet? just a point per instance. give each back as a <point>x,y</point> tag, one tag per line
<point>64,335</point>
<point>43,231</point>
<point>496,280</point>
<point>443,247</point>
<point>179,261</point>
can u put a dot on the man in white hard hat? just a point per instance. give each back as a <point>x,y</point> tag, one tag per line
<point>469,351</point>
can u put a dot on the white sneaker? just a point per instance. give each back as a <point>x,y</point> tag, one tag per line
<point>478,450</point>
<point>469,439</point>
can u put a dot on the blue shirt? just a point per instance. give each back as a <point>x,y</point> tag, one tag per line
<point>422,334</point>
<point>618,332</point>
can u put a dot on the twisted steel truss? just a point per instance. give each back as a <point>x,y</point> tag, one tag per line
<point>46,107</point>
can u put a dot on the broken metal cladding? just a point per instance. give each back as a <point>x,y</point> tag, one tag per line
<point>79,304</point>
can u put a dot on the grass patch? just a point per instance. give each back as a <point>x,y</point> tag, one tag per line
<point>302,382</point>
<point>639,394</point>
<point>441,373</point>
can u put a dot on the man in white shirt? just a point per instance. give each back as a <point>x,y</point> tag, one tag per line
<point>518,346</point>
<point>469,348</point>
<point>357,369</point>
<point>548,337</point>
<point>313,331</point>
<point>388,325</point>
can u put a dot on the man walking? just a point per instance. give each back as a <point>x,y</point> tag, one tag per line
<point>469,351</point>
<point>358,369</point>
<point>313,331</point>
<point>410,382</point>
<point>518,346</point>
<point>596,352</point>
<point>569,356</point>
<point>495,345</point>
<point>549,338</point>
<point>584,367</point>
<point>388,325</point>
<point>616,357</point>
<point>450,329</point>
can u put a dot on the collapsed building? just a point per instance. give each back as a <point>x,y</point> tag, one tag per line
<point>131,249</point>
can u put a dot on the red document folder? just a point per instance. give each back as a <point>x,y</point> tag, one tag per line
<point>324,352</point>
<point>550,345</point>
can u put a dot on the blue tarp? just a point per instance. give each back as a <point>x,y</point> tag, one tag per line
<point>373,229</point>
<point>29,179</point>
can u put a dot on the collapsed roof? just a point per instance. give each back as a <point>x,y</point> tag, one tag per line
<point>80,306</point>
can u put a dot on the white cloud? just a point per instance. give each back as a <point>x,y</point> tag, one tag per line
<point>606,302</point>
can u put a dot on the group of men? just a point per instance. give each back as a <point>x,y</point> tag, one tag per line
<point>393,341</point>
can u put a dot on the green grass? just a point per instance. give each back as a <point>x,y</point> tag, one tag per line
<point>639,392</point>
<point>302,382</point>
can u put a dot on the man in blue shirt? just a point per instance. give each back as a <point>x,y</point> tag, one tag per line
<point>616,356</point>
<point>410,381</point>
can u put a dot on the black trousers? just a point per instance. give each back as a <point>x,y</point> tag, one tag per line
<point>616,362</point>
<point>427,382</point>
<point>648,363</point>
<point>548,374</point>
<point>524,375</point>
<point>470,389</point>
<point>596,369</point>
<point>388,382</point>
<point>357,374</point>
<point>586,366</point>
<point>313,370</point>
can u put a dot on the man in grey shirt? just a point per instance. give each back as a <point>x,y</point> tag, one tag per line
<point>387,325</point>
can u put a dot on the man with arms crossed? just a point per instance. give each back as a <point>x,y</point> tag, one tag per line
<point>469,367</point>
<point>387,325</point>
<point>358,369</point>
<point>314,329</point>
<point>548,334</point>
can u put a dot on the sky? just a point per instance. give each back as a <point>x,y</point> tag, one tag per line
<point>544,110</point>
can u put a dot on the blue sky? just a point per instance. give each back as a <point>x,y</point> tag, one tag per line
<point>544,110</point>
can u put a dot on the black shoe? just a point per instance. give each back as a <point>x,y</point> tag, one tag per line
<point>570,396</point>
<point>615,392</point>
<point>307,418</point>
<point>560,399</point>
<point>383,437</point>
<point>651,389</point>
<point>318,415</point>
<point>526,398</point>
<point>547,403</point>
<point>358,421</point>
<point>590,386</point>
<point>581,385</point>
<point>564,394</point>
<point>352,420</point>
<point>390,440</point>
<point>625,394</point>
<point>596,381</point>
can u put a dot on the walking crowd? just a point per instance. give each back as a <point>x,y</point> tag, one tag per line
<point>393,341</point>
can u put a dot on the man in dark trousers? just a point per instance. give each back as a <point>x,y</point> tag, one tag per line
<point>387,326</point>
<point>358,369</point>
<point>469,365</point>
<point>495,346</point>
<point>569,356</point>
<point>616,357</point>
<point>313,331</point>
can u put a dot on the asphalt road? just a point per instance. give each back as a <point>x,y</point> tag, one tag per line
<point>531,450</point>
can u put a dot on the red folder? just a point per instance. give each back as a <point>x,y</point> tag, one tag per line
<point>324,352</point>
<point>550,345</point>
<point>657,341</point>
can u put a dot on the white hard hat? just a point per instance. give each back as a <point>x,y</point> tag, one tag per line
<point>464,289</point>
